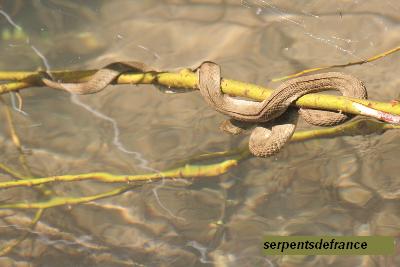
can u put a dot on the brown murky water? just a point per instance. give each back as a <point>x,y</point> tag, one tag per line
<point>338,186</point>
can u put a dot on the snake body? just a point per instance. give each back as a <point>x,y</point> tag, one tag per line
<point>100,79</point>
<point>266,140</point>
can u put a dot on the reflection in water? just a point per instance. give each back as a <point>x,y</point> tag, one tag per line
<point>338,186</point>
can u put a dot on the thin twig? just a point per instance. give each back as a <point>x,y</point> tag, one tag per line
<point>360,62</point>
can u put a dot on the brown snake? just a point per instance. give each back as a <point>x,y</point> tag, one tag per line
<point>100,79</point>
<point>267,139</point>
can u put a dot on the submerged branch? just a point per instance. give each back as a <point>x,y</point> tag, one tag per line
<point>189,171</point>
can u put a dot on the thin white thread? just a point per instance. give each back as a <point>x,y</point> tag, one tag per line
<point>286,18</point>
<point>42,57</point>
<point>14,105</point>
<point>37,52</point>
<point>143,163</point>
<point>9,19</point>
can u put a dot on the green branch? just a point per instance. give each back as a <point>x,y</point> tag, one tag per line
<point>188,171</point>
<point>186,79</point>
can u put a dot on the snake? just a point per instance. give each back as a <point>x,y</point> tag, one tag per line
<point>274,120</point>
<point>100,79</point>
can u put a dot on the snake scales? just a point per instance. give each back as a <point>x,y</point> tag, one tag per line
<point>100,79</point>
<point>267,138</point>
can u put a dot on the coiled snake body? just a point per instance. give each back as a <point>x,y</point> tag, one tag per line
<point>267,139</point>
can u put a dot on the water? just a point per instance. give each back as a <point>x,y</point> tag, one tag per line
<point>337,186</point>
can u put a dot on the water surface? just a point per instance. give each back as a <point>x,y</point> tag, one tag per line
<point>336,186</point>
